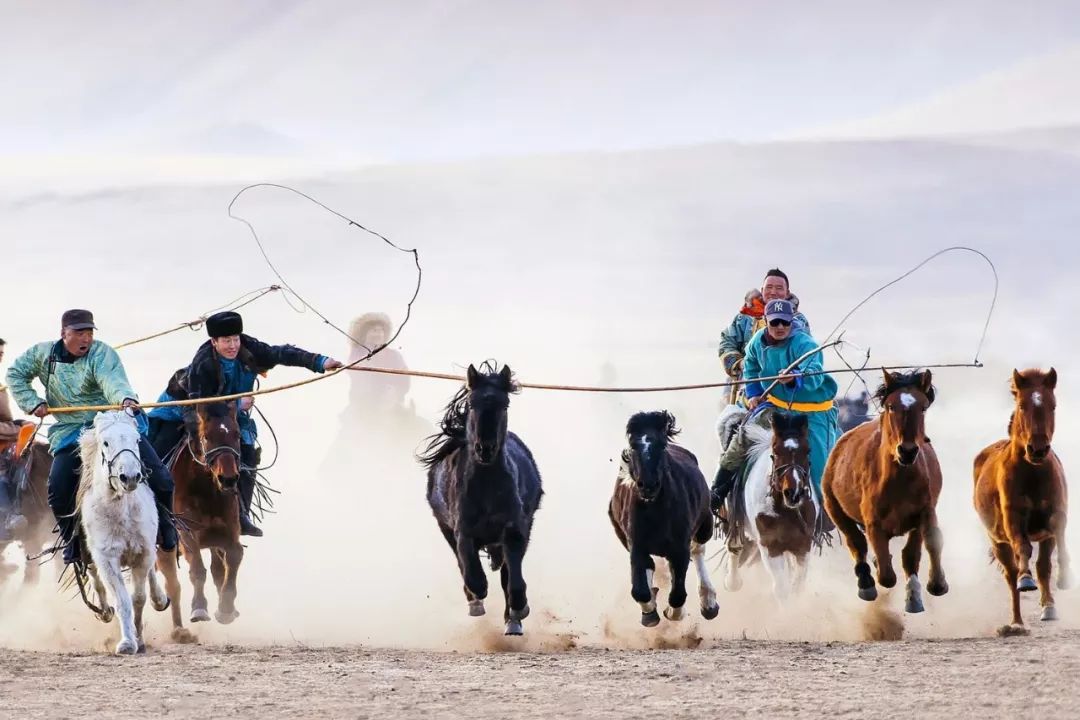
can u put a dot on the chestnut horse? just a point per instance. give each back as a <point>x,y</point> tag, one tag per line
<point>206,470</point>
<point>1021,497</point>
<point>28,468</point>
<point>884,476</point>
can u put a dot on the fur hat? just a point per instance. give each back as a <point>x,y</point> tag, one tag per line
<point>224,324</point>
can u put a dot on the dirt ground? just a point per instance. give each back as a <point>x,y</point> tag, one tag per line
<point>986,678</point>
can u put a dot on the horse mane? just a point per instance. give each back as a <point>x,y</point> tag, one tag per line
<point>659,421</point>
<point>451,433</point>
<point>900,381</point>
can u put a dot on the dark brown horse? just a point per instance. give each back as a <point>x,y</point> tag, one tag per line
<point>884,476</point>
<point>30,473</point>
<point>1021,497</point>
<point>660,506</point>
<point>206,470</point>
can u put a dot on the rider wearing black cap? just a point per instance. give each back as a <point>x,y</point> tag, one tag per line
<point>227,364</point>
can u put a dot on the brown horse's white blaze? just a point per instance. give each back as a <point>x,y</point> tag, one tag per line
<point>1021,495</point>
<point>884,476</point>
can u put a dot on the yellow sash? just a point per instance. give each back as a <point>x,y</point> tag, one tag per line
<point>803,407</point>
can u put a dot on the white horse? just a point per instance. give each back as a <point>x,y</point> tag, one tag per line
<point>120,524</point>
<point>779,508</point>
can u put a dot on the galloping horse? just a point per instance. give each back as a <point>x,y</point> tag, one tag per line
<point>884,476</point>
<point>660,506</point>
<point>120,524</point>
<point>29,469</point>
<point>1021,497</point>
<point>779,510</point>
<point>206,470</point>
<point>484,488</point>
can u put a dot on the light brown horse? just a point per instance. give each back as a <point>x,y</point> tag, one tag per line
<point>31,471</point>
<point>206,471</point>
<point>1020,494</point>
<point>884,476</point>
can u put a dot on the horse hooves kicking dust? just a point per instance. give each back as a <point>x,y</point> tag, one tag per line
<point>200,615</point>
<point>1049,613</point>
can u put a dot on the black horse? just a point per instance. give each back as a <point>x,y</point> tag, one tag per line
<point>660,506</point>
<point>484,488</point>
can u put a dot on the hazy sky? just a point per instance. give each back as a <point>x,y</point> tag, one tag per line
<point>432,80</point>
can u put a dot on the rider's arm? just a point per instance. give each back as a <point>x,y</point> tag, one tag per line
<point>752,367</point>
<point>111,378</point>
<point>22,373</point>
<point>801,344</point>
<point>269,356</point>
<point>731,346</point>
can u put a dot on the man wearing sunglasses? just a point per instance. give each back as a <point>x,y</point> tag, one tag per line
<point>751,318</point>
<point>769,353</point>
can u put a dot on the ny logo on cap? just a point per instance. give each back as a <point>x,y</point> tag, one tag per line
<point>778,306</point>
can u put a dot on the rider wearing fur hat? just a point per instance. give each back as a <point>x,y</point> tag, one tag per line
<point>227,364</point>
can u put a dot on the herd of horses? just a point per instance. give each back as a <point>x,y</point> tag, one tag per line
<point>882,480</point>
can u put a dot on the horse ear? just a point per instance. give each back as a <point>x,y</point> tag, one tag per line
<point>1017,381</point>
<point>471,376</point>
<point>926,381</point>
<point>887,377</point>
<point>1051,379</point>
<point>506,374</point>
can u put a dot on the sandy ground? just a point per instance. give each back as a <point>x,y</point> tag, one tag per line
<point>983,678</point>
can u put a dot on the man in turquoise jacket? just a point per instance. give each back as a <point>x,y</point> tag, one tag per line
<point>769,353</point>
<point>79,370</point>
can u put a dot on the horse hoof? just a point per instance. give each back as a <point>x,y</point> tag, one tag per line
<point>1065,581</point>
<point>107,615</point>
<point>161,607</point>
<point>1049,613</point>
<point>126,647</point>
<point>937,589</point>
<point>513,627</point>
<point>868,594</point>
<point>226,618</point>
<point>141,649</point>
<point>733,584</point>
<point>650,619</point>
<point>887,581</point>
<point>200,615</point>
<point>476,608</point>
<point>183,636</point>
<point>675,614</point>
<point>519,615</point>
<point>710,612</point>
<point>1012,631</point>
<point>914,605</point>
<point>1026,584</point>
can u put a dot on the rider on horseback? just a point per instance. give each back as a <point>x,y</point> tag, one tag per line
<point>10,518</point>
<point>227,364</point>
<point>79,370</point>
<point>736,336</point>
<point>769,353</point>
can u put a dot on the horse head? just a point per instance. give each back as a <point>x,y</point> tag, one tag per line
<point>219,438</point>
<point>790,478</point>
<point>1032,422</point>
<point>648,434</point>
<point>488,397</point>
<point>904,399</point>
<point>118,448</point>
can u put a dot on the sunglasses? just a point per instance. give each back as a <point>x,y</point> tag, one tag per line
<point>777,322</point>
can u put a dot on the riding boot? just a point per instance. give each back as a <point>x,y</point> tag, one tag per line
<point>247,493</point>
<point>72,545</point>
<point>725,480</point>
<point>167,538</point>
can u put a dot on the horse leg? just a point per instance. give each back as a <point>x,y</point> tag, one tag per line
<point>706,592</point>
<point>802,565</point>
<point>114,579</point>
<point>139,580</point>
<point>504,580</point>
<point>197,575</point>
<point>230,558</point>
<point>856,544</point>
<point>1021,545</point>
<point>472,573</point>
<point>167,564</point>
<point>678,564</point>
<point>732,579</point>
<point>513,556</point>
<point>879,540</point>
<point>107,611</point>
<point>641,589</point>
<point>1057,526</point>
<point>777,565</point>
<point>1007,558</point>
<point>1043,568</point>
<point>909,558</point>
<point>937,586</point>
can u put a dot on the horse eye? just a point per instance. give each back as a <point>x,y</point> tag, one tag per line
<point>106,443</point>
